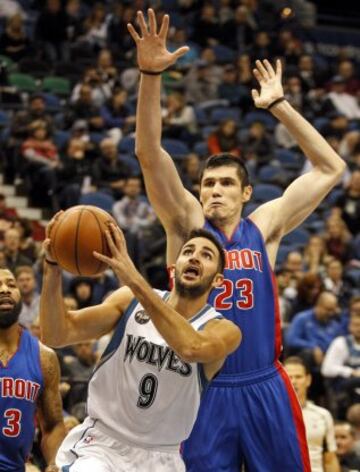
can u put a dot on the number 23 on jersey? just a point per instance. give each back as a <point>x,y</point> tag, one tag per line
<point>245,295</point>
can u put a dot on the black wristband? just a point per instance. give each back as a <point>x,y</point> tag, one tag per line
<point>51,262</point>
<point>150,72</point>
<point>275,102</point>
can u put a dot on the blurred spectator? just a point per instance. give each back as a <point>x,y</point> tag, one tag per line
<point>25,278</point>
<point>257,145</point>
<point>309,287</point>
<point>342,361</point>
<point>337,238</point>
<point>334,281</point>
<point>100,90</point>
<point>207,30</point>
<point>294,263</point>
<point>224,138</point>
<point>81,288</point>
<point>238,33</point>
<point>41,159</point>
<point>315,254</point>
<point>179,120</point>
<point>345,441</point>
<point>346,70</point>
<point>178,38</point>
<point>96,27</point>
<point>311,331</point>
<point>133,212</point>
<point>103,285</point>
<point>319,423</point>
<point>51,30</point>
<point>116,113</point>
<point>7,215</point>
<point>13,256</point>
<point>190,173</point>
<point>294,93</point>
<point>349,204</point>
<point>310,75</point>
<point>353,417</point>
<point>106,69</point>
<point>14,42</point>
<point>74,20</point>
<point>286,283</point>
<point>261,48</point>
<point>229,89</point>
<point>199,85</point>
<point>109,171</point>
<point>84,109</point>
<point>244,69</point>
<point>28,246</point>
<point>338,99</point>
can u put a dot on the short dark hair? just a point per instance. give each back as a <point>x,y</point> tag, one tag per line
<point>203,233</point>
<point>297,361</point>
<point>227,159</point>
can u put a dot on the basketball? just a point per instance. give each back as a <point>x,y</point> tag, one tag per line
<point>78,232</point>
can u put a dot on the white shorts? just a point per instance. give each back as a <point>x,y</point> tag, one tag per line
<point>86,449</point>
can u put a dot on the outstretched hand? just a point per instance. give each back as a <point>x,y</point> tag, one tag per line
<point>269,81</point>
<point>120,261</point>
<point>152,54</point>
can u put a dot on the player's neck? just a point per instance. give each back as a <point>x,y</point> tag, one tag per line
<point>187,307</point>
<point>9,337</point>
<point>227,227</point>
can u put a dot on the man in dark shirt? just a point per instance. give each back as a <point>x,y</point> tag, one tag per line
<point>345,441</point>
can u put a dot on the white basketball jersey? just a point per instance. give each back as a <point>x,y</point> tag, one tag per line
<point>141,392</point>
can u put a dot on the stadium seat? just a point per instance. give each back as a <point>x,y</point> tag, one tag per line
<point>10,65</point>
<point>99,199</point>
<point>298,236</point>
<point>207,130</point>
<point>223,54</point>
<point>289,159</point>
<point>220,114</point>
<point>127,145</point>
<point>264,117</point>
<point>57,85</point>
<point>61,138</point>
<point>4,119</point>
<point>131,162</point>
<point>201,148</point>
<point>23,82</point>
<point>333,196</point>
<point>265,192</point>
<point>52,103</point>
<point>249,208</point>
<point>175,147</point>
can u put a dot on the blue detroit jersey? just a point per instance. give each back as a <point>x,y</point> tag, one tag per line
<point>248,297</point>
<point>21,383</point>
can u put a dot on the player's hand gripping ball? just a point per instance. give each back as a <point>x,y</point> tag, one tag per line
<point>75,234</point>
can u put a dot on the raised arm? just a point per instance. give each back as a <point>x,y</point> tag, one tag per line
<point>280,216</point>
<point>172,203</point>
<point>209,346</point>
<point>60,327</point>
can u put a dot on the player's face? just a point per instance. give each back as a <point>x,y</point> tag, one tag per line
<point>222,195</point>
<point>197,268</point>
<point>300,379</point>
<point>10,299</point>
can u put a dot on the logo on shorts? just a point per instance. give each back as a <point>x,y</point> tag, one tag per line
<point>142,317</point>
<point>88,439</point>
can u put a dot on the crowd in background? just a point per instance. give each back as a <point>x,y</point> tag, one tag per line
<point>62,147</point>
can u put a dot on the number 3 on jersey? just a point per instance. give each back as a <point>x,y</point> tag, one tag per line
<point>223,301</point>
<point>13,425</point>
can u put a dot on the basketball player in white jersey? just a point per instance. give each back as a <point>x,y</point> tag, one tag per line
<point>145,392</point>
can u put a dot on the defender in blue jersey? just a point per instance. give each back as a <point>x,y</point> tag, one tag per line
<point>250,415</point>
<point>29,385</point>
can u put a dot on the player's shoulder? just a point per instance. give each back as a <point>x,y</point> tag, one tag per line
<point>48,360</point>
<point>318,410</point>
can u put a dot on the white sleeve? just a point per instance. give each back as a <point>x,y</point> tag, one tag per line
<point>330,443</point>
<point>335,358</point>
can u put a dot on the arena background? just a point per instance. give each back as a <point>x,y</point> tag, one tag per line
<point>68,85</point>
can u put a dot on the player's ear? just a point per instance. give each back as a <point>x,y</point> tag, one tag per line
<point>246,193</point>
<point>218,280</point>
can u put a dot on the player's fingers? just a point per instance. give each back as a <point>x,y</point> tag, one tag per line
<point>262,70</point>
<point>258,76</point>
<point>119,237</point>
<point>142,23</point>
<point>269,68</point>
<point>181,51</point>
<point>102,258</point>
<point>278,68</point>
<point>152,21</point>
<point>133,33</point>
<point>164,27</point>
<point>254,94</point>
<point>111,244</point>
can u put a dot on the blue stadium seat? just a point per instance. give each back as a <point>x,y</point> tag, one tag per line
<point>353,275</point>
<point>220,114</point>
<point>320,123</point>
<point>223,54</point>
<point>131,162</point>
<point>265,192</point>
<point>61,138</point>
<point>333,196</point>
<point>263,116</point>
<point>98,199</point>
<point>298,236</point>
<point>270,174</point>
<point>52,102</point>
<point>127,145</point>
<point>249,208</point>
<point>4,119</point>
<point>97,137</point>
<point>289,159</point>
<point>175,147</point>
<point>201,148</point>
<point>207,130</point>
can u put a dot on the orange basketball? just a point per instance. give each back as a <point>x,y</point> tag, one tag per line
<point>78,232</point>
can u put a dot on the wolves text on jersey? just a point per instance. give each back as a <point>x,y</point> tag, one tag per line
<point>19,388</point>
<point>243,259</point>
<point>160,356</point>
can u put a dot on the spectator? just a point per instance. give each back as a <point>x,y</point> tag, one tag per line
<point>7,215</point>
<point>337,238</point>
<point>318,421</point>
<point>342,360</point>
<point>353,417</point>
<point>133,212</point>
<point>199,85</point>
<point>349,204</point>
<point>310,75</point>
<point>294,264</point>
<point>245,76</point>
<point>13,256</point>
<point>309,287</point>
<point>74,21</point>
<point>178,38</point>
<point>179,120</point>
<point>100,90</point>
<point>106,69</point>
<point>334,281</point>
<point>261,48</point>
<point>315,254</point>
<point>345,442</point>
<point>257,145</point>
<point>81,289</point>
<point>51,28</point>
<point>14,42</point>
<point>206,31</point>
<point>238,33</point>
<point>28,247</point>
<point>84,109</point>
<point>109,171</point>
<point>341,101</point>
<point>229,89</point>
<point>116,113</point>
<point>190,173</point>
<point>96,27</point>
<point>25,278</point>
<point>311,331</point>
<point>346,70</point>
<point>224,138</point>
